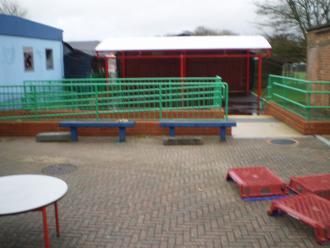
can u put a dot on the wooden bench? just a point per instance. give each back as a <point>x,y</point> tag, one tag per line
<point>74,125</point>
<point>222,125</point>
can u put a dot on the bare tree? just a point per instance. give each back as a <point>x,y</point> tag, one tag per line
<point>287,16</point>
<point>12,8</point>
<point>204,31</point>
<point>287,49</point>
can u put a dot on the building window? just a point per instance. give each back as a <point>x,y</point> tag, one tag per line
<point>28,59</point>
<point>49,59</point>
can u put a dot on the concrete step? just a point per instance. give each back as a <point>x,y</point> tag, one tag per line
<point>53,137</point>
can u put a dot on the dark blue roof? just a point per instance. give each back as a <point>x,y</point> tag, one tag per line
<point>17,26</point>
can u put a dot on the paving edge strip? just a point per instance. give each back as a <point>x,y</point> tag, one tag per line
<point>271,137</point>
<point>323,140</point>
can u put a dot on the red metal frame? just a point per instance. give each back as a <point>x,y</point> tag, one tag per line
<point>316,184</point>
<point>308,208</point>
<point>123,64</point>
<point>45,224</point>
<point>257,181</point>
<point>182,65</point>
<point>248,74</point>
<point>182,55</point>
<point>259,79</point>
<point>192,56</point>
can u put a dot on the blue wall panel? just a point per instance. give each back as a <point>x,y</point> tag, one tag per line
<point>12,59</point>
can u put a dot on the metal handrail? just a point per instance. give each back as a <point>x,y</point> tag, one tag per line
<point>113,98</point>
<point>308,99</point>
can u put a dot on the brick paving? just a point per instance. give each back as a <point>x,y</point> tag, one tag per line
<point>144,194</point>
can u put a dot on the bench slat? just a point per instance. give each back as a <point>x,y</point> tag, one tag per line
<point>170,123</point>
<point>96,124</point>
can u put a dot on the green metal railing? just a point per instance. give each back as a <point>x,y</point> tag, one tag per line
<point>308,99</point>
<point>128,98</point>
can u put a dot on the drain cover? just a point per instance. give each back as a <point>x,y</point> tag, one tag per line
<point>59,169</point>
<point>283,142</point>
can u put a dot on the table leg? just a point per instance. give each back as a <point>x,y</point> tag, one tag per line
<point>46,237</point>
<point>222,133</point>
<point>56,220</point>
<point>74,134</point>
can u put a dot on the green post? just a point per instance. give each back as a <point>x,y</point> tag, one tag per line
<point>217,93</point>
<point>170,91</point>
<point>24,98</point>
<point>269,88</point>
<point>160,101</point>
<point>34,98</point>
<point>226,100</point>
<point>122,93</point>
<point>309,96</point>
<point>97,102</point>
<point>35,101</point>
<point>225,93</point>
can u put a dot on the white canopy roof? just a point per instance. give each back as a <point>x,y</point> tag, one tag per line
<point>184,43</point>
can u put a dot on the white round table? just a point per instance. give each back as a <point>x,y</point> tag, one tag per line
<point>23,193</point>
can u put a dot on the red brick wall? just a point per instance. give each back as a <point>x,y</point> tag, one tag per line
<point>318,62</point>
<point>318,54</point>
<point>142,128</point>
<point>296,122</point>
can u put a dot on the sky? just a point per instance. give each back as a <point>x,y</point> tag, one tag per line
<point>100,19</point>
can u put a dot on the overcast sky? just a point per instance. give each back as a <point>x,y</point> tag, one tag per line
<point>99,19</point>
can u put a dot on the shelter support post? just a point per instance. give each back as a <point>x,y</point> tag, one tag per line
<point>123,65</point>
<point>259,81</point>
<point>182,65</point>
<point>106,62</point>
<point>182,72</point>
<point>248,59</point>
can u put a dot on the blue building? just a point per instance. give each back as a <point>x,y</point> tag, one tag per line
<point>29,51</point>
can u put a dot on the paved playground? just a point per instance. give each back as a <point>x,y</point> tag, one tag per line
<point>144,194</point>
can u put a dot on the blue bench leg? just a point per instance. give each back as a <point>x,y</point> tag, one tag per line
<point>74,134</point>
<point>223,133</point>
<point>122,134</point>
<point>172,131</point>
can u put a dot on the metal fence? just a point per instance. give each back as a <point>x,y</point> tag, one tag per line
<point>117,98</point>
<point>308,99</point>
